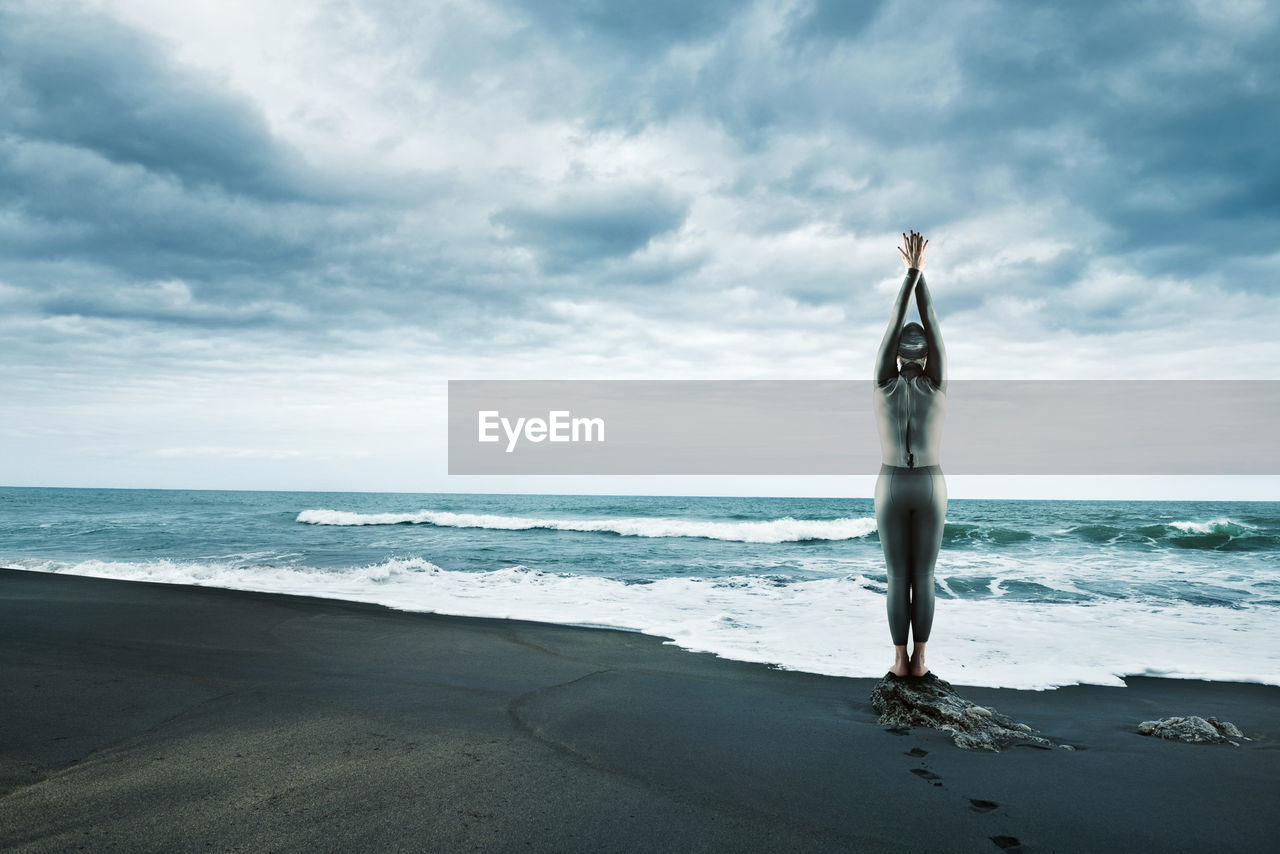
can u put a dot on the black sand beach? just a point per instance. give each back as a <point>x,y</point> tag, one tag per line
<point>147,717</point>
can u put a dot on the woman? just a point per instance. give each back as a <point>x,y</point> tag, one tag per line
<point>911,494</point>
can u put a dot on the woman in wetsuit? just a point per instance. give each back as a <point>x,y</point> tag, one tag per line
<point>911,494</point>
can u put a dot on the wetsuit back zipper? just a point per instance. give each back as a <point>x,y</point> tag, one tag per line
<point>911,462</point>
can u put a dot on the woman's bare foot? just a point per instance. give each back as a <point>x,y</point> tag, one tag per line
<point>916,663</point>
<point>901,664</point>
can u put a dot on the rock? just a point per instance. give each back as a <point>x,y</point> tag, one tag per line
<point>906,701</point>
<point>1193,729</point>
<point>1226,727</point>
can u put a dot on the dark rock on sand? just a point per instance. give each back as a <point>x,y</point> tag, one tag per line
<point>1194,729</point>
<point>907,701</point>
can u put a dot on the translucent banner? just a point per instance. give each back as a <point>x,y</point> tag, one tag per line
<point>802,427</point>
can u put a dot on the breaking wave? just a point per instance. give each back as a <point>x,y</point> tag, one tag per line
<point>1224,534</point>
<point>784,530</point>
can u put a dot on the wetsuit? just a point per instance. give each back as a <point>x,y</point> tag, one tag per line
<point>911,497</point>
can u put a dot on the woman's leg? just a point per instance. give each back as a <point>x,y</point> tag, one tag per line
<point>893,525</point>
<point>926,539</point>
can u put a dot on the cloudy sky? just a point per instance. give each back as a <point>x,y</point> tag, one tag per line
<point>246,244</point>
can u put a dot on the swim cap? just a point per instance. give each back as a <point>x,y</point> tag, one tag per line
<point>912,343</point>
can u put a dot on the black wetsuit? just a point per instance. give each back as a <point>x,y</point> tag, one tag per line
<point>911,506</point>
<point>911,499</point>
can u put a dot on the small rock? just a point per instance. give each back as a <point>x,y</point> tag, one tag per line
<point>1192,729</point>
<point>1227,728</point>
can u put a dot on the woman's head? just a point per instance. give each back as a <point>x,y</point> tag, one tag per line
<point>912,345</point>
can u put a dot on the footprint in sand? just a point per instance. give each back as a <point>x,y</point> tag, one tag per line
<point>926,774</point>
<point>916,751</point>
<point>1007,843</point>
<point>979,805</point>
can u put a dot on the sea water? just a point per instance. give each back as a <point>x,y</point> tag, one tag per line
<point>1031,594</point>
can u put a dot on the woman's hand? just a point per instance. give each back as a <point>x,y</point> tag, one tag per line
<point>912,250</point>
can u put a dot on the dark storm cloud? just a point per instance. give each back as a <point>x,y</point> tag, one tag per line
<point>112,155</point>
<point>104,307</point>
<point>120,168</point>
<point>633,28</point>
<point>832,19</point>
<point>78,204</point>
<point>88,82</point>
<point>583,227</point>
<point>1159,120</point>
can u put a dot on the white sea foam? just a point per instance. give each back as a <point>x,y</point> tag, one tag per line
<point>1229,527</point>
<point>785,530</point>
<point>833,625</point>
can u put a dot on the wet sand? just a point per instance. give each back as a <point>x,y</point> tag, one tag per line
<point>148,717</point>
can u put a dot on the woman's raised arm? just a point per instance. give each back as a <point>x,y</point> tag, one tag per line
<point>935,366</point>
<point>912,252</point>
<point>887,359</point>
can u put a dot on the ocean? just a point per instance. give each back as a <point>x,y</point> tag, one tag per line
<point>1031,594</point>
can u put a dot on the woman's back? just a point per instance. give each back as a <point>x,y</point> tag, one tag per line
<point>909,412</point>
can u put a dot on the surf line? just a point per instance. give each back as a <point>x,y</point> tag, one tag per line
<point>559,426</point>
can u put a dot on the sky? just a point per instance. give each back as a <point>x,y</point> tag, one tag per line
<point>245,245</point>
